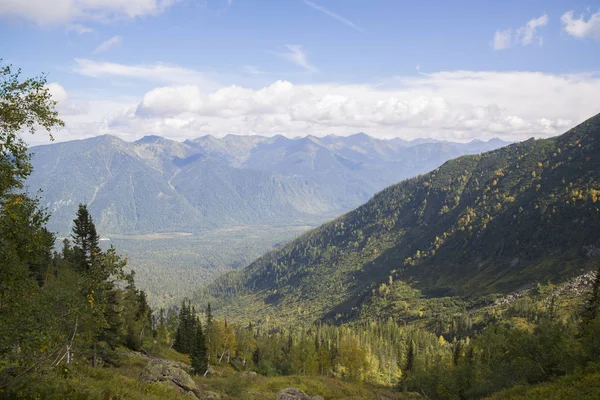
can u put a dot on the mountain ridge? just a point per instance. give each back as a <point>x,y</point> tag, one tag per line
<point>148,178</point>
<point>476,225</point>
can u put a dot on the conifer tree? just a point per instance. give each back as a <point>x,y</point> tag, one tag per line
<point>199,356</point>
<point>410,357</point>
<point>86,239</point>
<point>181,334</point>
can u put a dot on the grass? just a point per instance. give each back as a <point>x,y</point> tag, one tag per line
<point>95,384</point>
<point>582,385</point>
<point>262,387</point>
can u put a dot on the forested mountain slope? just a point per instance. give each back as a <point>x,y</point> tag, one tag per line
<point>477,225</point>
<point>159,185</point>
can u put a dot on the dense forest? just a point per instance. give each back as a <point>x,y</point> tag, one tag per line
<point>74,325</point>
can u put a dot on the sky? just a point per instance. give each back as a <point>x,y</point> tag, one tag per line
<point>451,70</point>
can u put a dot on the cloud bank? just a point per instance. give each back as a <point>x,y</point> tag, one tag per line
<point>454,105</point>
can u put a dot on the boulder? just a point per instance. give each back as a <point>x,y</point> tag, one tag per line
<point>170,373</point>
<point>295,394</point>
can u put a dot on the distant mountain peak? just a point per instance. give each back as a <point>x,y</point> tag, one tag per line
<point>361,136</point>
<point>106,139</point>
<point>150,139</point>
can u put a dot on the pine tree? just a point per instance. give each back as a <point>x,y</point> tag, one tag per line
<point>209,316</point>
<point>181,334</point>
<point>86,239</point>
<point>410,357</point>
<point>457,351</point>
<point>211,334</point>
<point>199,356</point>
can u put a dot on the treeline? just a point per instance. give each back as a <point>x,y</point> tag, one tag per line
<point>374,352</point>
<point>534,339</point>
<point>57,309</point>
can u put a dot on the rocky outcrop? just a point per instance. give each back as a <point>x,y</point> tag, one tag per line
<point>173,374</point>
<point>295,394</point>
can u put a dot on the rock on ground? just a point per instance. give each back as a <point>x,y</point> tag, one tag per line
<point>295,394</point>
<point>172,374</point>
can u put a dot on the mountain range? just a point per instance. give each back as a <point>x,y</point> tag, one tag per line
<point>476,226</point>
<point>159,185</point>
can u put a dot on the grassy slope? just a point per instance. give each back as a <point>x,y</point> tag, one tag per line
<point>582,385</point>
<point>122,383</point>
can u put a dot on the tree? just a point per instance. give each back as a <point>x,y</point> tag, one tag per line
<point>100,273</point>
<point>86,239</point>
<point>26,325</point>
<point>186,329</point>
<point>199,356</point>
<point>410,357</point>
<point>246,344</point>
<point>303,357</point>
<point>24,106</point>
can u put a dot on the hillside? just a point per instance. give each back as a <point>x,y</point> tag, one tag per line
<point>477,225</point>
<point>158,185</point>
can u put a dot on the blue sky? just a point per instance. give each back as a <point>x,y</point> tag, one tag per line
<point>450,69</point>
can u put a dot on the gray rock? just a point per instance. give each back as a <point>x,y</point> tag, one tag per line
<point>171,374</point>
<point>295,394</point>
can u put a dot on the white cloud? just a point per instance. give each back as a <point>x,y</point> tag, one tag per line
<point>65,105</point>
<point>297,56</point>
<point>78,28</point>
<point>502,39</point>
<point>59,94</point>
<point>454,105</point>
<point>163,73</point>
<point>46,12</point>
<point>579,27</point>
<point>525,35</point>
<point>332,15</point>
<point>108,44</point>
